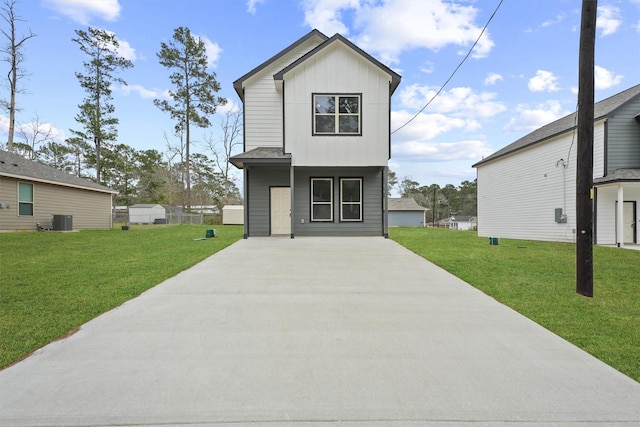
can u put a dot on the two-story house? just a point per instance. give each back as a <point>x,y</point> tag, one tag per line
<point>316,140</point>
<point>527,190</point>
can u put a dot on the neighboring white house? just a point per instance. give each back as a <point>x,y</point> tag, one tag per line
<point>316,140</point>
<point>463,222</point>
<point>233,215</point>
<point>527,190</point>
<point>406,212</point>
<point>146,214</point>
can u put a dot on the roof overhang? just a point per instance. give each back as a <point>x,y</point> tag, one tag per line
<point>618,176</point>
<point>61,184</point>
<point>261,156</point>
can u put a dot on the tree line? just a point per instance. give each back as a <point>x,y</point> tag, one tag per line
<point>175,177</point>
<point>442,202</point>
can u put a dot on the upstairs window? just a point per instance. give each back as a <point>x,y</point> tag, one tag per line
<point>321,199</point>
<point>25,199</point>
<point>337,114</point>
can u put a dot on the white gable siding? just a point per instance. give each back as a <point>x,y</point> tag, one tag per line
<point>263,103</point>
<point>337,69</point>
<point>518,193</point>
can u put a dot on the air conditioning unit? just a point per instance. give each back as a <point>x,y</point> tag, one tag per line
<point>62,222</point>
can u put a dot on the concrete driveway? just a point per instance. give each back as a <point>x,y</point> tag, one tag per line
<point>311,332</point>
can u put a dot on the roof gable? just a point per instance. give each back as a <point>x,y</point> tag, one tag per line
<point>15,166</point>
<point>314,34</point>
<point>337,38</point>
<point>405,204</point>
<point>602,110</point>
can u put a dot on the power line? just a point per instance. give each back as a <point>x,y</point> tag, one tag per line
<point>454,71</point>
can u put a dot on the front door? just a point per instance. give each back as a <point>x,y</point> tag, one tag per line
<point>628,222</point>
<point>280,210</point>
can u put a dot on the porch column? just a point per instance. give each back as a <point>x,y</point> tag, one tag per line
<point>291,191</point>
<point>245,213</point>
<point>620,217</point>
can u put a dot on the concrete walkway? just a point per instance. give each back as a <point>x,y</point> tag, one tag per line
<point>312,332</point>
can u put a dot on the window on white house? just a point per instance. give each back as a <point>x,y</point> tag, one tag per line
<point>350,199</point>
<point>336,114</point>
<point>25,199</point>
<point>321,199</point>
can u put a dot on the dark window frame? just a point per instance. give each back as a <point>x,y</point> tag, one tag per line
<point>360,203</point>
<point>314,203</point>
<point>336,114</point>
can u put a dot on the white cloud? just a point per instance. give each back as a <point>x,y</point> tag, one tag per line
<point>428,126</point>
<point>492,78</point>
<point>417,151</point>
<point>604,79</point>
<point>326,15</point>
<point>251,5</point>
<point>143,92</point>
<point>389,27</point>
<point>543,81</point>
<point>213,51</point>
<point>459,101</point>
<point>82,11</point>
<point>531,118</point>
<point>608,19</point>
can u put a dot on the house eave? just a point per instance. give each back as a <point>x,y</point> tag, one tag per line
<point>58,183</point>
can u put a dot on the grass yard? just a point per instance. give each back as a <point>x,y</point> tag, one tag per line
<point>537,279</point>
<point>51,283</point>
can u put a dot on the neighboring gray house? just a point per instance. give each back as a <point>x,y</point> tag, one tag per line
<point>527,190</point>
<point>406,212</point>
<point>146,213</point>
<point>316,140</point>
<point>32,193</point>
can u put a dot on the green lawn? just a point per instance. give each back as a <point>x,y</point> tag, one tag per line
<point>51,283</point>
<point>537,279</point>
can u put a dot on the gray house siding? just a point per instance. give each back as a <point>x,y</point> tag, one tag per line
<point>260,180</point>
<point>372,198</point>
<point>623,138</point>
<point>406,219</point>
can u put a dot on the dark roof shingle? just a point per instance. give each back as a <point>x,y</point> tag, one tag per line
<point>15,166</point>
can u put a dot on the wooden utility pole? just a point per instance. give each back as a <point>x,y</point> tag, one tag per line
<point>584,168</point>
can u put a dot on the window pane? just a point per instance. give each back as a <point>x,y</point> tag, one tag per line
<point>325,124</point>
<point>349,104</point>
<point>25,209</point>
<point>325,104</point>
<point>321,212</point>
<point>322,190</point>
<point>25,192</point>
<point>349,124</point>
<point>351,211</point>
<point>350,190</point>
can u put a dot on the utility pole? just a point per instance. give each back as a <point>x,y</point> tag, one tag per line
<point>584,167</point>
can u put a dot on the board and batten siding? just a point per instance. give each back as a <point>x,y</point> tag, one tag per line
<point>623,138</point>
<point>372,224</point>
<point>518,193</point>
<point>336,70</point>
<point>260,180</point>
<point>90,209</point>
<point>263,122</point>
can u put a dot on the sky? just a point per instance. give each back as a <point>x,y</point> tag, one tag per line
<point>521,74</point>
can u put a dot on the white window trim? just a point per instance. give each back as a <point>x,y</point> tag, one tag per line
<point>330,202</point>
<point>342,202</point>
<point>337,114</point>
<point>31,202</point>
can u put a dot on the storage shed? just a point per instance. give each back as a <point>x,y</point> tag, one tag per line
<point>233,215</point>
<point>406,212</point>
<point>146,214</point>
